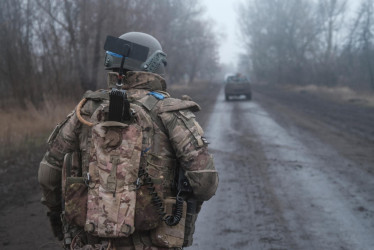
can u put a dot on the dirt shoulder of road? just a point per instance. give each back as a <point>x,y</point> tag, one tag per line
<point>338,94</point>
<point>348,126</point>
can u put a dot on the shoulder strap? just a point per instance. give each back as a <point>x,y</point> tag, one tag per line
<point>173,104</point>
<point>94,100</point>
<point>98,95</point>
<point>148,103</point>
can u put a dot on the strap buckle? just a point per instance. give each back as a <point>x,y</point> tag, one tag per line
<point>138,184</point>
<point>87,179</point>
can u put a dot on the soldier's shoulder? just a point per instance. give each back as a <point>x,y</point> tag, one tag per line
<point>98,95</point>
<point>93,100</point>
<point>175,104</point>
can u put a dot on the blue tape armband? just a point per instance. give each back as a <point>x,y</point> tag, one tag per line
<point>157,95</point>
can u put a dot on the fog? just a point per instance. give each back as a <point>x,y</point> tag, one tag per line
<point>322,42</point>
<point>224,14</point>
<point>295,140</point>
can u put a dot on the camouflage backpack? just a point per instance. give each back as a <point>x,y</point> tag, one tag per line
<point>100,187</point>
<point>102,198</point>
<point>113,171</point>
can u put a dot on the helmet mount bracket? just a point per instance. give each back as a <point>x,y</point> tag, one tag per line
<point>126,53</point>
<point>119,106</point>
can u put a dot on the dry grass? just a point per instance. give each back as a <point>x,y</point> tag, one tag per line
<point>23,128</point>
<point>344,94</point>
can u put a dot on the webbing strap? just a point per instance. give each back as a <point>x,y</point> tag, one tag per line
<point>191,124</point>
<point>68,164</point>
<point>136,241</point>
<point>150,102</point>
<point>86,150</point>
<point>97,95</point>
<point>153,116</point>
<point>94,105</point>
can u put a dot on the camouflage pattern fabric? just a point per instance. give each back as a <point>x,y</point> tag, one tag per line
<point>114,166</point>
<point>74,190</point>
<point>76,203</point>
<point>171,137</point>
<point>170,236</point>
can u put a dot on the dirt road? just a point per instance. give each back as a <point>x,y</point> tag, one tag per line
<point>292,175</point>
<point>296,172</point>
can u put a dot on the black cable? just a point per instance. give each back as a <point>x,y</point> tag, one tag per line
<point>155,198</point>
<point>170,220</point>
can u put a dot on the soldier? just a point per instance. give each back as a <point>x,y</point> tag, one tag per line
<point>92,204</point>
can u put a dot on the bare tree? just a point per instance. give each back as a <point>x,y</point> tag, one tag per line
<point>330,19</point>
<point>358,55</point>
<point>17,69</point>
<point>279,36</point>
<point>55,47</point>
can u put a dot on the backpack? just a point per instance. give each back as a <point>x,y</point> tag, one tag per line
<point>115,151</point>
<point>99,186</point>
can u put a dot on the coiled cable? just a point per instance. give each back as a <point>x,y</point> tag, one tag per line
<point>155,198</point>
<point>170,220</point>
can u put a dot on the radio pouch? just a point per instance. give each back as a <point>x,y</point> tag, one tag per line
<point>170,236</point>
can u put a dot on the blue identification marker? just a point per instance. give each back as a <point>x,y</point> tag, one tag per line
<point>157,95</point>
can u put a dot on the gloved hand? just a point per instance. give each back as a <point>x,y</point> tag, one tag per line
<point>56,224</point>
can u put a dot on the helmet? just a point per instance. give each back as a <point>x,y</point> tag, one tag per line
<point>156,59</point>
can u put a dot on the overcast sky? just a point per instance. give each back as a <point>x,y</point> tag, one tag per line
<point>223,13</point>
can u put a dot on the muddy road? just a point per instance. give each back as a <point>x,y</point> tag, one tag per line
<point>296,172</point>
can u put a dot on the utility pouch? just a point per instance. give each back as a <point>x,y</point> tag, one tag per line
<point>170,236</point>
<point>76,201</point>
<point>74,191</point>
<point>146,216</point>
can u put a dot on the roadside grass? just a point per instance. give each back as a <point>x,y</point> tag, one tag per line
<point>344,94</point>
<point>25,129</point>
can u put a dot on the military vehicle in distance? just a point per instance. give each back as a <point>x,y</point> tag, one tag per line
<point>237,85</point>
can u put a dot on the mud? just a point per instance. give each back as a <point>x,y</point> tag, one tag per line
<point>296,172</point>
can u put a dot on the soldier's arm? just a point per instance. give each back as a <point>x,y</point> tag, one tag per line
<point>63,139</point>
<point>192,153</point>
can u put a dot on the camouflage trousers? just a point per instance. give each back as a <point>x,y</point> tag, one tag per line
<point>108,247</point>
<point>134,242</point>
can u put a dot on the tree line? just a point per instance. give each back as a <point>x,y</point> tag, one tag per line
<point>320,42</point>
<point>55,48</point>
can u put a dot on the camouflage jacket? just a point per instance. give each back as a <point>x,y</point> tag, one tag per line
<point>178,137</point>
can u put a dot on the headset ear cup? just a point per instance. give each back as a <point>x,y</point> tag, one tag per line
<point>107,60</point>
<point>160,70</point>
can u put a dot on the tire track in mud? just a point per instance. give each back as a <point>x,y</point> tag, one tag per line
<point>319,194</point>
<point>348,127</point>
<point>244,214</point>
<point>281,187</point>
